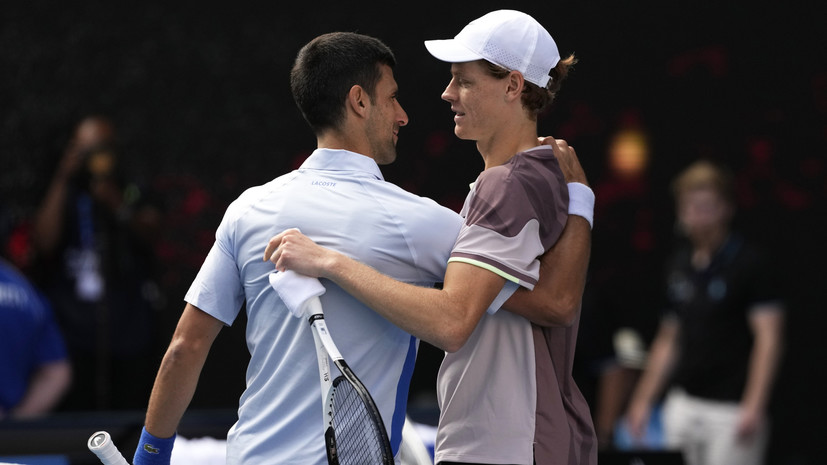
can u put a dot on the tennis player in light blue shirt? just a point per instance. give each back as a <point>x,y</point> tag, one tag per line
<point>339,198</point>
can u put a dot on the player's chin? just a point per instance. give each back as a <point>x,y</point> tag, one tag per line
<point>462,133</point>
<point>391,157</point>
<point>387,156</point>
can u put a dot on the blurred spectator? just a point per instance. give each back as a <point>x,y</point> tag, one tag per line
<point>34,367</point>
<point>93,236</point>
<point>719,343</point>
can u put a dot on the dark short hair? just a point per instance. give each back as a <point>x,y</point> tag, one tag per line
<point>328,66</point>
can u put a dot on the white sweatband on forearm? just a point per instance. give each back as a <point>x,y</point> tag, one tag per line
<point>581,201</point>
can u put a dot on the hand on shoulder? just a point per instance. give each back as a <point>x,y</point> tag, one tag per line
<point>567,159</point>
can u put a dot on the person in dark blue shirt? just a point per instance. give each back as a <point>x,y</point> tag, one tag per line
<point>34,368</point>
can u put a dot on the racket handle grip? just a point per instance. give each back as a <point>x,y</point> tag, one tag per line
<point>101,445</point>
<point>314,305</point>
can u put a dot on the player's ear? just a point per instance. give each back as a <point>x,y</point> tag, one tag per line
<point>357,100</point>
<point>516,83</point>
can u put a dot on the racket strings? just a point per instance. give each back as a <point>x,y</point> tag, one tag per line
<point>358,440</point>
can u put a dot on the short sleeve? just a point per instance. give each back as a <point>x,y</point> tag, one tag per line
<point>217,288</point>
<point>514,213</point>
<point>765,286</point>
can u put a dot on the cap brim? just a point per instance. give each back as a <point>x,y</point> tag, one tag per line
<point>451,50</point>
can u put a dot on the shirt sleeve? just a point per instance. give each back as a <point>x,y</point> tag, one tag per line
<point>765,287</point>
<point>513,215</point>
<point>217,289</point>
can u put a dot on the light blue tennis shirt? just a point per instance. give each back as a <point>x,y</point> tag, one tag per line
<point>340,200</point>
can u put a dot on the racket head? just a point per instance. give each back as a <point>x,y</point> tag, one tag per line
<point>356,433</point>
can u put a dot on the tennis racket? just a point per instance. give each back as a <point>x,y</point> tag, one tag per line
<point>353,429</point>
<point>101,445</point>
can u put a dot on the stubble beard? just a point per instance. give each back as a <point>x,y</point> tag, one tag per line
<point>386,154</point>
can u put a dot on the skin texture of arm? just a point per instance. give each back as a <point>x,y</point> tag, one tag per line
<point>661,358</point>
<point>46,388</point>
<point>178,375</point>
<point>767,324</point>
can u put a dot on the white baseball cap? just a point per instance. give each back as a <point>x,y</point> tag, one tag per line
<point>507,38</point>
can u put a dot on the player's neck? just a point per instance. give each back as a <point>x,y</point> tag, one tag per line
<point>341,140</point>
<point>507,141</point>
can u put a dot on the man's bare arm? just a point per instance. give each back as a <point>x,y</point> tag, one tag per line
<point>178,376</point>
<point>46,388</point>
<point>767,323</point>
<point>662,355</point>
<point>442,317</point>
<point>555,300</point>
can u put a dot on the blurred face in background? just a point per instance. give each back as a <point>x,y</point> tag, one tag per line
<point>101,177</point>
<point>703,212</point>
<point>93,132</point>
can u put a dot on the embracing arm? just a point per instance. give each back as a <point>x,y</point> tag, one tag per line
<point>557,295</point>
<point>178,376</point>
<point>442,317</point>
<point>556,298</point>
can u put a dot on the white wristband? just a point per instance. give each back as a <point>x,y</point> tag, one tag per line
<point>581,201</point>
